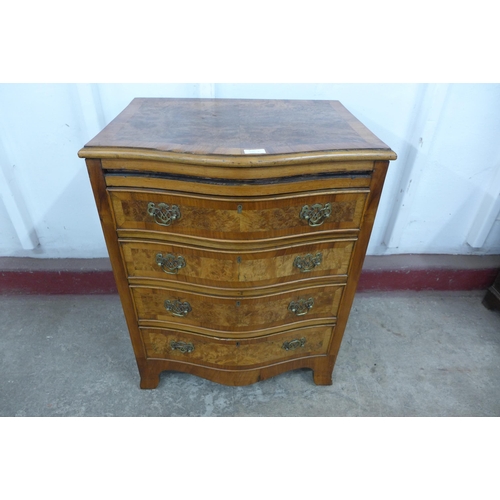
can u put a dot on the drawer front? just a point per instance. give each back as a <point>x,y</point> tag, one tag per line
<point>237,218</point>
<point>235,269</point>
<point>234,354</point>
<point>236,314</point>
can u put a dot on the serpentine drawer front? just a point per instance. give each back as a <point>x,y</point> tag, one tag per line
<point>229,268</point>
<point>232,315</point>
<point>236,231</point>
<point>240,353</point>
<point>238,218</point>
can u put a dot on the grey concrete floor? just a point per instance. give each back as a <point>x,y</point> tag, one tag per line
<point>403,354</point>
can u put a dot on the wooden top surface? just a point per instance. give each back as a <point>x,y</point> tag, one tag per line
<point>236,128</point>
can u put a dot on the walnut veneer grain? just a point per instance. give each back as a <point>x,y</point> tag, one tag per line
<point>233,315</point>
<point>237,231</point>
<point>237,218</point>
<point>205,127</point>
<point>238,353</point>
<point>229,268</point>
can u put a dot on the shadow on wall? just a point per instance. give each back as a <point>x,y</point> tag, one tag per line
<point>446,214</point>
<point>71,226</point>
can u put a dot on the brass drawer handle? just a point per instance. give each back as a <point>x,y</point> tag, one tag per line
<point>294,344</point>
<point>316,214</point>
<point>184,347</point>
<point>301,307</point>
<point>178,308</point>
<point>164,214</point>
<point>308,262</point>
<point>169,263</point>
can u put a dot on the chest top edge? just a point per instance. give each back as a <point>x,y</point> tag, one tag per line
<point>255,160</point>
<point>237,131</point>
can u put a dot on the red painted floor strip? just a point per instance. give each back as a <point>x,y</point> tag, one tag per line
<point>102,282</point>
<point>57,282</point>
<point>427,279</point>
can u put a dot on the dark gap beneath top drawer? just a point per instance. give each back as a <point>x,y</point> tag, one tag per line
<point>230,182</point>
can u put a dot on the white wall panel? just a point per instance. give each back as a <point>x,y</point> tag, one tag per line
<point>459,168</point>
<point>115,97</point>
<point>448,157</point>
<point>45,133</point>
<point>9,241</point>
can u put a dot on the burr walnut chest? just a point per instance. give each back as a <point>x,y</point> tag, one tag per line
<point>236,231</point>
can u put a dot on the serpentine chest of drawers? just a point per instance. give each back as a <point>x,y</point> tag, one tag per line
<point>236,231</point>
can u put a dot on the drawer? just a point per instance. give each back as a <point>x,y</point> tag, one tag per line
<point>234,315</point>
<point>236,218</point>
<point>236,354</point>
<point>180,263</point>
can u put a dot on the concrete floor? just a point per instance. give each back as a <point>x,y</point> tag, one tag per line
<point>403,354</point>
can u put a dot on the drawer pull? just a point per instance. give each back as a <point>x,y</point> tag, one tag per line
<point>308,262</point>
<point>316,214</point>
<point>184,347</point>
<point>169,263</point>
<point>301,307</point>
<point>178,308</point>
<point>294,344</point>
<point>164,214</point>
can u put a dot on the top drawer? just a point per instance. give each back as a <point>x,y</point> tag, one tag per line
<point>237,218</point>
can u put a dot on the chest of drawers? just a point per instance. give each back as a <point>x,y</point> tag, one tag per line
<point>236,231</point>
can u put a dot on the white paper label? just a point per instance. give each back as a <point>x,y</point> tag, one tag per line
<point>254,151</point>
